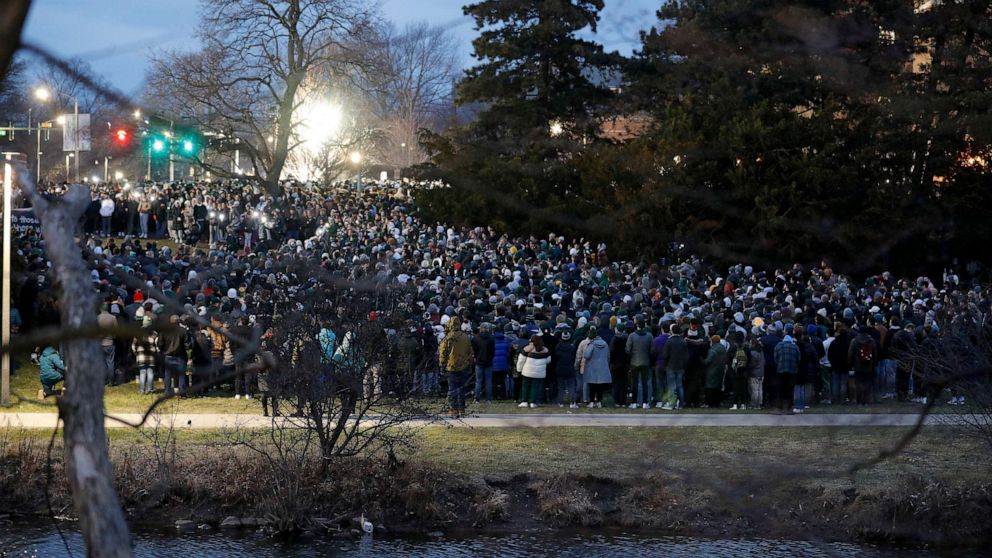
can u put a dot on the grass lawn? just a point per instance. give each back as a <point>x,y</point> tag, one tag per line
<point>125,399</point>
<point>822,454</point>
<point>819,452</point>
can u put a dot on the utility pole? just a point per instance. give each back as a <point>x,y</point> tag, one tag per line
<point>8,170</point>
<point>75,111</point>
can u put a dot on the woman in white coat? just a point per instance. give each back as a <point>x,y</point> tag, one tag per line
<point>532,363</point>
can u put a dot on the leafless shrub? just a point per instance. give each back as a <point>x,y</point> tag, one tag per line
<point>563,501</point>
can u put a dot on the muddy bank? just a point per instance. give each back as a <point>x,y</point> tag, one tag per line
<point>234,488</point>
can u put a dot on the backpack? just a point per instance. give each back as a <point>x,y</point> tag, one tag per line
<point>866,353</point>
<point>740,359</point>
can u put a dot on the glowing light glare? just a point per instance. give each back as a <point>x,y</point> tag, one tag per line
<point>95,179</point>
<point>355,157</point>
<point>42,94</point>
<point>118,175</point>
<point>60,119</point>
<point>318,123</point>
<point>556,128</point>
<point>158,145</point>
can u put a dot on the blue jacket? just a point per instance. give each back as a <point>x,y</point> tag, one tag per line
<point>51,365</point>
<point>501,353</point>
<point>327,340</point>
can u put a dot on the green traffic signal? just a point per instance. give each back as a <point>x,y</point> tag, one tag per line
<point>158,145</point>
<point>187,146</point>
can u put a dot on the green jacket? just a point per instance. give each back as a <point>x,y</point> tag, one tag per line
<point>714,366</point>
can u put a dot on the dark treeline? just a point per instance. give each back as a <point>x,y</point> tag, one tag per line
<point>767,131</point>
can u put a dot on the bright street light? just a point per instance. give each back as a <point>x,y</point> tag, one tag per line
<point>137,114</point>
<point>118,175</point>
<point>356,157</point>
<point>318,123</point>
<point>42,94</point>
<point>61,119</point>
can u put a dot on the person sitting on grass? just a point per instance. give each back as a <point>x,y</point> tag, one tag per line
<point>52,371</point>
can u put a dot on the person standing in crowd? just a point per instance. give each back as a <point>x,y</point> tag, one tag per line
<point>595,367</point>
<point>144,210</point>
<point>484,348</point>
<point>564,361</point>
<point>840,369</point>
<point>740,365</point>
<point>532,363</point>
<point>327,340</point>
<point>145,348</point>
<point>694,369</point>
<point>787,358</point>
<point>174,347</point>
<point>809,370</point>
<point>676,356</point>
<point>714,368</point>
<point>105,320</point>
<point>903,349</point>
<point>619,365</point>
<point>501,363</point>
<point>769,341</point>
<point>106,214</point>
<point>756,372</point>
<point>863,354</point>
<point>456,359</point>
<point>409,352</point>
<point>660,381</point>
<point>638,351</point>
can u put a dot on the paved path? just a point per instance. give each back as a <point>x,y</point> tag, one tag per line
<point>216,421</point>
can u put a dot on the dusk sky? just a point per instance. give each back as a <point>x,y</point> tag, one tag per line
<point>116,37</point>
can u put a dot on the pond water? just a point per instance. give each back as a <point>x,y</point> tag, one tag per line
<point>43,541</point>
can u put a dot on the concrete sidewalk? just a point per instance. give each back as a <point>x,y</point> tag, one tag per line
<point>218,421</point>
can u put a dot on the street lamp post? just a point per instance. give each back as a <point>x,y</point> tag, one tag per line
<point>75,129</point>
<point>356,159</point>
<point>43,95</point>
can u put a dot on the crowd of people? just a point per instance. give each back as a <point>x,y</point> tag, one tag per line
<point>539,321</point>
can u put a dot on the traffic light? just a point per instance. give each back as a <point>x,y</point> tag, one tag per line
<point>121,136</point>
<point>158,145</point>
<point>188,147</point>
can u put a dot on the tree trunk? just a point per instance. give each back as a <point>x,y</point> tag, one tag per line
<point>12,17</point>
<point>86,456</point>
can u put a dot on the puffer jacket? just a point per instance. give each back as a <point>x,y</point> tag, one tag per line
<point>597,362</point>
<point>501,352</point>
<point>533,363</point>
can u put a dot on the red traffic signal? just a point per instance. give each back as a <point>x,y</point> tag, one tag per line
<point>121,135</point>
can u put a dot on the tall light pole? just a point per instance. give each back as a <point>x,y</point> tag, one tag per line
<point>356,159</point>
<point>75,129</point>
<point>42,94</point>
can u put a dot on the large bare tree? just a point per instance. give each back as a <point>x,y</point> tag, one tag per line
<point>251,76</point>
<point>414,90</point>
